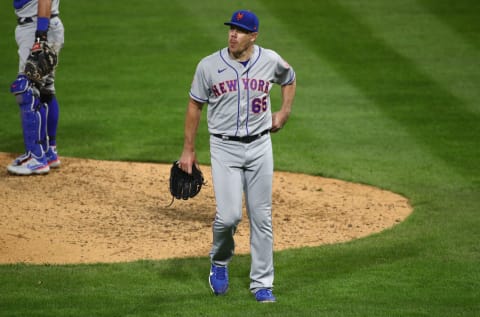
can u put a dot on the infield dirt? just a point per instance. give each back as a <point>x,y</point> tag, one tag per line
<point>90,211</point>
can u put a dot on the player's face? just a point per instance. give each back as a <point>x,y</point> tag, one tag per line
<point>239,40</point>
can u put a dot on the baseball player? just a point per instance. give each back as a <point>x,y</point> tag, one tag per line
<point>235,82</point>
<point>37,21</point>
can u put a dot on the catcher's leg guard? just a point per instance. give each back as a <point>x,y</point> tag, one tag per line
<point>50,100</point>
<point>32,114</point>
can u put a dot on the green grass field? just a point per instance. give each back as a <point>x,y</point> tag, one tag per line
<point>387,94</point>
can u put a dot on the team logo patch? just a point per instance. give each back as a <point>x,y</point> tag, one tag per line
<point>239,16</point>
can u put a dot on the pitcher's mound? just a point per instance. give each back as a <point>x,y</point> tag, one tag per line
<point>100,211</point>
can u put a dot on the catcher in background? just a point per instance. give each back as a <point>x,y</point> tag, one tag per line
<point>40,36</point>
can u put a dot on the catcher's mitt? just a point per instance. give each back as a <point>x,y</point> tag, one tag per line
<point>41,61</point>
<point>184,185</point>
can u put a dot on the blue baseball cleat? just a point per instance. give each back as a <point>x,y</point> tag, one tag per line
<point>265,295</point>
<point>218,279</point>
<point>52,157</point>
<point>30,166</point>
<point>21,159</point>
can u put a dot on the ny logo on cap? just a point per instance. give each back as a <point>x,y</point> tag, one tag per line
<point>239,16</point>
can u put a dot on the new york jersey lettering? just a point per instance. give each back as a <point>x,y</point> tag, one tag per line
<point>251,84</point>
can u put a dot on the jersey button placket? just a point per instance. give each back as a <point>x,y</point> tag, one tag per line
<point>244,106</point>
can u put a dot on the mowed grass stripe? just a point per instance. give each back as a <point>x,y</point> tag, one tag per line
<point>430,113</point>
<point>137,80</point>
<point>461,16</point>
<point>427,38</point>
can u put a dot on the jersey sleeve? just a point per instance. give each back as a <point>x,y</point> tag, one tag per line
<point>284,73</point>
<point>199,90</point>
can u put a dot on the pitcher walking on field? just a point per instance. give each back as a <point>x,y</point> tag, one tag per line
<point>235,82</point>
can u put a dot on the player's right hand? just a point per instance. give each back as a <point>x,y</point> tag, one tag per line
<point>186,161</point>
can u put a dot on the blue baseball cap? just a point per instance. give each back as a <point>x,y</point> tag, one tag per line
<point>244,19</point>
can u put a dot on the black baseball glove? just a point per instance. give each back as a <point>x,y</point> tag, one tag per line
<point>184,185</point>
<point>41,61</point>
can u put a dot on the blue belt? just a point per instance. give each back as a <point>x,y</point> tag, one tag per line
<point>243,139</point>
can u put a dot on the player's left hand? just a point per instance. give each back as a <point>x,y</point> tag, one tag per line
<point>279,119</point>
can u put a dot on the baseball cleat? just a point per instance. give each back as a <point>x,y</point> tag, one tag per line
<point>218,279</point>
<point>265,295</point>
<point>52,157</point>
<point>31,166</point>
<point>20,159</point>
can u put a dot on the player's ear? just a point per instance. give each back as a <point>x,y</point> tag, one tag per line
<point>254,36</point>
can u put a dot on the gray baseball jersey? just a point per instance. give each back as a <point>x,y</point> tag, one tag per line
<point>239,96</point>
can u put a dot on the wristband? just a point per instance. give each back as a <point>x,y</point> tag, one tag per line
<point>42,23</point>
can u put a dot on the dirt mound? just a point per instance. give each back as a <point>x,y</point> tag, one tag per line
<point>100,211</point>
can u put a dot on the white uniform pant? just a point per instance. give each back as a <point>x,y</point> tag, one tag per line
<point>244,168</point>
<point>25,37</point>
